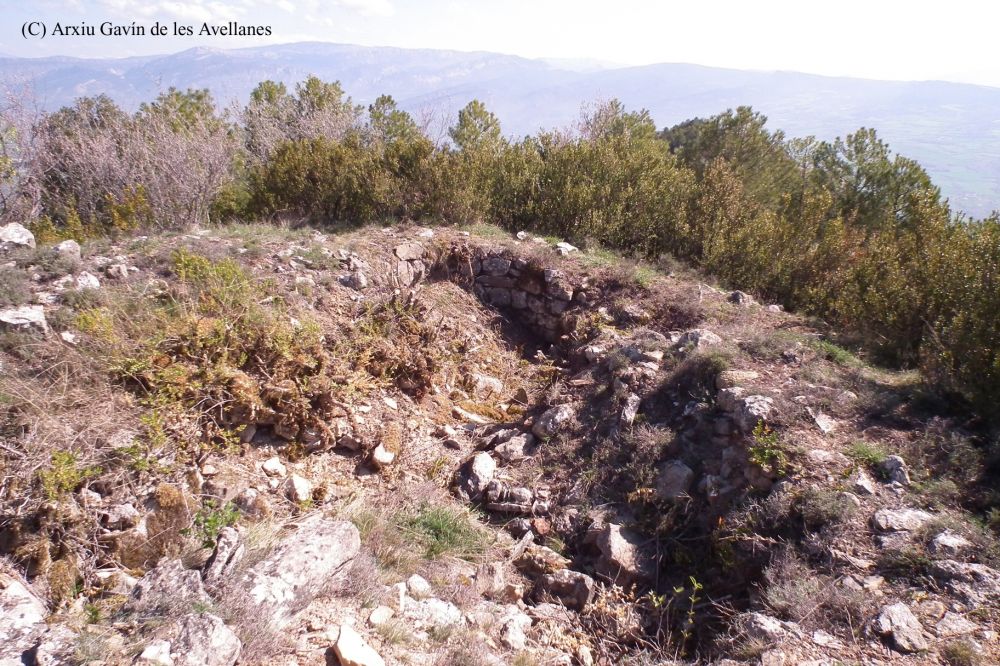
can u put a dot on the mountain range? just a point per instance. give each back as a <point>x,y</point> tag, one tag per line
<point>952,129</point>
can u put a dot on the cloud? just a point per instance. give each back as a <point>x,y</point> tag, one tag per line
<point>207,10</point>
<point>191,10</point>
<point>369,7</point>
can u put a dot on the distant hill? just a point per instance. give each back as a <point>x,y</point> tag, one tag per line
<point>952,129</point>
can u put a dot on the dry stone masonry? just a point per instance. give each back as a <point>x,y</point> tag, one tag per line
<point>541,298</point>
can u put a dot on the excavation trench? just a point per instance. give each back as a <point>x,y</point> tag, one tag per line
<point>602,461</point>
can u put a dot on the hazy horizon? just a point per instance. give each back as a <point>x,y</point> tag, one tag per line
<point>890,41</point>
<point>581,63</point>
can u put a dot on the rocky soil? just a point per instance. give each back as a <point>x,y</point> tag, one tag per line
<point>459,447</point>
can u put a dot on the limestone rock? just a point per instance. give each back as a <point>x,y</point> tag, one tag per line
<point>54,645</point>
<point>118,271</point>
<point>156,653</point>
<point>572,588</point>
<point>898,623</point>
<point>728,398</point>
<point>762,627</point>
<point>513,633</point>
<point>827,457</point>
<point>949,544</point>
<point>493,437</point>
<point>895,470</point>
<point>975,584</point>
<point>565,248</point>
<point>731,378</point>
<point>674,480</point>
<point>862,483</point>
<point>560,290</point>
<point>274,467</point>
<point>622,556</point>
<point>505,498</point>
<point>205,640</point>
<point>490,581</point>
<point>397,598</point>
<point>352,650</point>
<point>496,265</point>
<point>15,235</point>
<point>472,478</point>
<point>24,317</point>
<point>120,517</point>
<point>167,586</point>
<point>540,559</point>
<point>355,280</point>
<point>699,338</point>
<point>418,587</point>
<point>409,251</point>
<point>516,448</point>
<point>409,273</point>
<point>433,613</point>
<point>21,615</point>
<point>551,421</point>
<point>86,280</point>
<point>631,409</point>
<point>316,555</point>
<point>229,551</point>
<point>298,489</point>
<point>68,248</point>
<point>746,411</point>
<point>900,520</point>
<point>484,385</point>
<point>380,615</point>
<point>825,424</point>
<point>953,624</point>
<point>382,457</point>
<point>752,410</point>
<point>630,313</point>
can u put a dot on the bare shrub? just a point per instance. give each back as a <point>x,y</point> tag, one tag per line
<point>93,168</point>
<point>794,591</point>
<point>274,117</point>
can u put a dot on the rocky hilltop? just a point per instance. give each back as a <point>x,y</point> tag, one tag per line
<point>403,445</point>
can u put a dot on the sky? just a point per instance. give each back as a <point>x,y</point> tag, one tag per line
<point>878,39</point>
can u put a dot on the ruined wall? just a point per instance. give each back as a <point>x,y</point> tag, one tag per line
<point>543,299</point>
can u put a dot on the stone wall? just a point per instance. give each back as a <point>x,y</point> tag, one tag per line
<point>543,299</point>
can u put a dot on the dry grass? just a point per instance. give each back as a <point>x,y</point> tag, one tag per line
<point>794,591</point>
<point>63,408</point>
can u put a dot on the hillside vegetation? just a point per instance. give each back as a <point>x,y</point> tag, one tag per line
<point>846,230</point>
<point>947,127</point>
<point>249,444</point>
<point>251,412</point>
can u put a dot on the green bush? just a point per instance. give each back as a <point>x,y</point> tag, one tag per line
<point>867,454</point>
<point>447,531</point>
<point>961,653</point>
<point>15,289</point>
<point>64,475</point>
<point>819,507</point>
<point>210,520</point>
<point>844,229</point>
